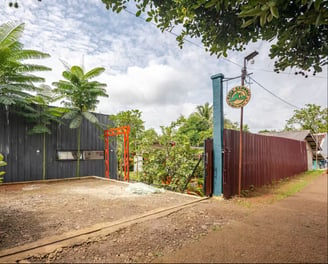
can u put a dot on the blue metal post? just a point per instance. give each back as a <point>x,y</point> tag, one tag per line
<point>217,132</point>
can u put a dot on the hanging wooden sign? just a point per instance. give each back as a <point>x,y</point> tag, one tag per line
<point>238,96</point>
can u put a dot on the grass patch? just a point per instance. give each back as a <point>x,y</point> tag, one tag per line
<point>289,187</point>
<point>278,190</point>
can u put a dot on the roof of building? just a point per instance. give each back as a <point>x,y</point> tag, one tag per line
<point>320,138</point>
<point>298,135</point>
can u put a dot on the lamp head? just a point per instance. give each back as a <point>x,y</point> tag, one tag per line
<point>251,56</point>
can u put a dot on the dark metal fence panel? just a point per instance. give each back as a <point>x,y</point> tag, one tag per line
<point>23,152</point>
<point>265,159</point>
<point>209,173</point>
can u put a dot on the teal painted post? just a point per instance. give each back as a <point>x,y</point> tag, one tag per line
<point>217,132</point>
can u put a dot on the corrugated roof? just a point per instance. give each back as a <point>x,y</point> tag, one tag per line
<point>298,135</point>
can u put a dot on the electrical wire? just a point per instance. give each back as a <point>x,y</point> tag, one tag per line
<point>229,79</point>
<point>176,35</point>
<point>200,46</point>
<point>278,97</point>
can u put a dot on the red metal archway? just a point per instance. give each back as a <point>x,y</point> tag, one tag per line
<point>124,130</point>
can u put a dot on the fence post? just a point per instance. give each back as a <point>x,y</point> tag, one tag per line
<point>217,132</point>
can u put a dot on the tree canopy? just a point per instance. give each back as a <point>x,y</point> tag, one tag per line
<point>312,117</point>
<point>297,29</point>
<point>16,77</point>
<point>81,96</point>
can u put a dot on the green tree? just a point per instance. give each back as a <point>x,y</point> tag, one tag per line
<point>41,116</point>
<point>206,112</point>
<point>171,160</point>
<point>133,119</point>
<point>196,128</point>
<point>16,79</point>
<point>81,97</point>
<point>298,29</point>
<point>149,144</point>
<point>311,117</point>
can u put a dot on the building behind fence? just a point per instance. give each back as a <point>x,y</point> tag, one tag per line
<point>23,152</point>
<point>265,159</point>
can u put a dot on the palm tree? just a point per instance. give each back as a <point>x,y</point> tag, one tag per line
<point>206,111</point>
<point>15,76</point>
<point>82,97</point>
<point>42,116</point>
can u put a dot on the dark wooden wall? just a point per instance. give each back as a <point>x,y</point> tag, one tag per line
<point>23,152</point>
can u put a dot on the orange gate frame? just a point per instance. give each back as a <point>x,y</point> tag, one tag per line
<point>124,130</point>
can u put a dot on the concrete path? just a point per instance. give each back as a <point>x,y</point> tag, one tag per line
<point>291,230</point>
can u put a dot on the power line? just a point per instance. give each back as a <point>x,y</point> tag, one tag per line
<point>281,99</point>
<point>176,35</point>
<point>286,73</point>
<point>199,46</point>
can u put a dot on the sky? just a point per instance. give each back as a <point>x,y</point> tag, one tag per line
<point>146,70</point>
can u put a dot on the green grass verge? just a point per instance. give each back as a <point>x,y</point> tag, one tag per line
<point>291,186</point>
<point>278,190</point>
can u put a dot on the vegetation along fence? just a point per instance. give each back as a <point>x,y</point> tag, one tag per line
<point>23,152</point>
<point>265,159</point>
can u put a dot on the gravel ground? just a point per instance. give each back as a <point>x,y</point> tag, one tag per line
<point>291,230</point>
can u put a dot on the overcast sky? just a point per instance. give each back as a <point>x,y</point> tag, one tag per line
<point>146,70</point>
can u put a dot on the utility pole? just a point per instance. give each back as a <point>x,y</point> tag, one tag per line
<point>243,77</point>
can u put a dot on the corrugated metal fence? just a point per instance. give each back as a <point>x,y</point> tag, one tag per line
<point>23,152</point>
<point>265,159</point>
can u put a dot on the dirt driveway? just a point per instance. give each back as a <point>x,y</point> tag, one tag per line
<point>36,210</point>
<point>290,230</point>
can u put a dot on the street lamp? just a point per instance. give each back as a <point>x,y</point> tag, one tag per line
<point>243,77</point>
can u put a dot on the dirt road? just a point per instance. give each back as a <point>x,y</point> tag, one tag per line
<point>290,230</point>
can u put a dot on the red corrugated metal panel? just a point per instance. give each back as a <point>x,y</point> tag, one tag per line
<point>265,159</point>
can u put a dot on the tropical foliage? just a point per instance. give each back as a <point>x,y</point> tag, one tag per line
<point>312,117</point>
<point>80,97</point>
<point>133,119</point>
<point>16,80</point>
<point>171,160</point>
<point>170,156</point>
<point>41,115</point>
<point>297,29</point>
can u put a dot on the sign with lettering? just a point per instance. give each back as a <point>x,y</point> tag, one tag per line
<point>238,96</point>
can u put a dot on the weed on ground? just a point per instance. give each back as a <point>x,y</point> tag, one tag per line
<point>276,191</point>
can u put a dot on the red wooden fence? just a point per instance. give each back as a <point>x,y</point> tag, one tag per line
<point>265,159</point>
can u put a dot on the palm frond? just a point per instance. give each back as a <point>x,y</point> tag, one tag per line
<point>77,70</point>
<point>27,78</point>
<point>71,114</point>
<point>76,122</point>
<point>29,54</point>
<point>93,73</point>
<point>39,129</point>
<point>6,100</point>
<point>66,65</point>
<point>90,117</point>
<point>10,32</point>
<point>32,67</point>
